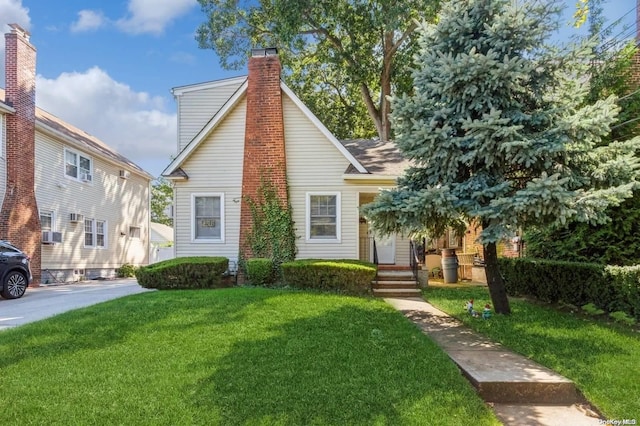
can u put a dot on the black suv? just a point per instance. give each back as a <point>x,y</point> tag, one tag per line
<point>15,273</point>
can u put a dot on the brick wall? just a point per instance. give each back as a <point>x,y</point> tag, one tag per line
<point>264,145</point>
<point>19,217</point>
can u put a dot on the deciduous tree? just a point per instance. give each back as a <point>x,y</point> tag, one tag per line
<point>346,56</point>
<point>161,198</point>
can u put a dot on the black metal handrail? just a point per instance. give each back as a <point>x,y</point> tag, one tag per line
<point>375,252</point>
<point>413,260</point>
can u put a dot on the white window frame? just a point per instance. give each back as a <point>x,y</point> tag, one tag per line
<point>338,236</point>
<point>50,213</point>
<point>94,233</point>
<point>193,218</point>
<point>78,155</point>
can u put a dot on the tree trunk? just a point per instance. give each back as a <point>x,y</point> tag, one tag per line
<point>495,282</point>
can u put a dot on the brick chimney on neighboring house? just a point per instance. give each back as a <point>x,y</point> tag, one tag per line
<point>264,146</point>
<point>19,217</point>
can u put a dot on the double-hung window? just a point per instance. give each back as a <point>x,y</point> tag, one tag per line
<point>207,217</point>
<point>323,216</point>
<point>78,166</point>
<point>95,233</point>
<point>46,220</point>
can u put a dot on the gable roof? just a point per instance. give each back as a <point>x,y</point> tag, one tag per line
<point>54,126</point>
<point>172,168</point>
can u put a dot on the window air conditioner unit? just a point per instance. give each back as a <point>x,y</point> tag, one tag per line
<point>85,177</point>
<point>75,217</point>
<point>50,237</point>
<point>124,174</point>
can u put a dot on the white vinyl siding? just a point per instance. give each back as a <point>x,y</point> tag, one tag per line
<point>215,167</point>
<point>119,202</point>
<point>315,165</point>
<point>3,163</point>
<point>197,107</point>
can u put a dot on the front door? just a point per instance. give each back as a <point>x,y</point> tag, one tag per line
<point>386,247</point>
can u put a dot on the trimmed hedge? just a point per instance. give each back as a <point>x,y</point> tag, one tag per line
<point>351,277</point>
<point>260,271</point>
<point>612,288</point>
<point>184,272</point>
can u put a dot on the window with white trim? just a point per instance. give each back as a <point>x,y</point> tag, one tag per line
<point>78,166</point>
<point>95,233</point>
<point>46,220</point>
<point>207,212</point>
<point>323,216</point>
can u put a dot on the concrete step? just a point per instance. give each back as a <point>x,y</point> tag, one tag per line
<point>396,292</point>
<point>395,275</point>
<point>393,284</point>
<point>499,375</point>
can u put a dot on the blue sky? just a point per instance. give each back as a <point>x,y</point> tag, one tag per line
<point>107,66</point>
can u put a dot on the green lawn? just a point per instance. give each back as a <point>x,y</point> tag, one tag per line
<point>602,359</point>
<point>232,356</point>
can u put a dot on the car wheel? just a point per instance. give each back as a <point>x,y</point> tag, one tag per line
<point>15,284</point>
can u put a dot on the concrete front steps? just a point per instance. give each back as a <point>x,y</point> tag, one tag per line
<point>395,281</point>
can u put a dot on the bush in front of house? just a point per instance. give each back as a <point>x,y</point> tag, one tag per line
<point>260,271</point>
<point>183,273</point>
<point>342,276</point>
<point>611,288</point>
<point>127,270</point>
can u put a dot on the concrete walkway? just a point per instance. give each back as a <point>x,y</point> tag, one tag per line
<point>520,391</point>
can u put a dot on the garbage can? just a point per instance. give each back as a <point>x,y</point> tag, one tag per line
<point>449,266</point>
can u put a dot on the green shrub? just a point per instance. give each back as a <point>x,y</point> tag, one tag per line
<point>620,316</point>
<point>125,271</point>
<point>342,276</point>
<point>183,272</point>
<point>592,309</point>
<point>260,271</point>
<point>611,288</point>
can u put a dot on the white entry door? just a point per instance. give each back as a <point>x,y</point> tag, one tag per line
<point>386,247</point>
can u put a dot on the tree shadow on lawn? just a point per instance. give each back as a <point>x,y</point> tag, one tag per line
<point>351,365</point>
<point>106,324</point>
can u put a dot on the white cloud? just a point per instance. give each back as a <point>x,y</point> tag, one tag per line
<point>153,16</point>
<point>12,12</point>
<point>88,20</point>
<point>134,124</point>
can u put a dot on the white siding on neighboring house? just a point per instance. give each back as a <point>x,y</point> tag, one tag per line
<point>3,157</point>
<point>196,107</point>
<point>215,167</point>
<point>120,203</point>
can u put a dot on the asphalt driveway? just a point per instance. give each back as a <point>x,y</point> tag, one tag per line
<point>46,301</point>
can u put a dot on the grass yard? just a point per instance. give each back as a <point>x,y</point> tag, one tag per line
<point>602,359</point>
<point>232,356</point>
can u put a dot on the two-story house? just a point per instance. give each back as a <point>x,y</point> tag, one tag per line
<point>77,207</point>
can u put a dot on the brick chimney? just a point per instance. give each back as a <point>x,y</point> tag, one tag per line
<point>19,217</point>
<point>264,146</point>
